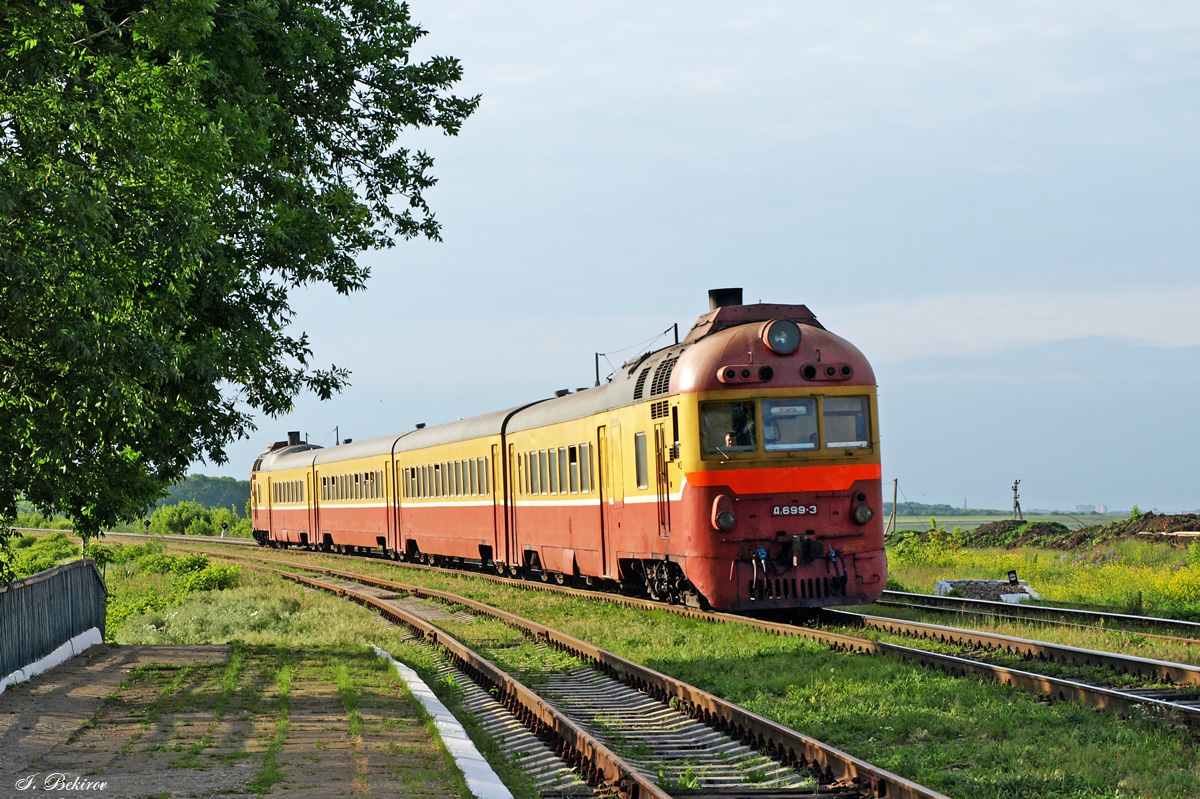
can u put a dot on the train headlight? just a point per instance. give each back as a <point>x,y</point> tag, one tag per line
<point>863,514</point>
<point>726,520</point>
<point>782,336</point>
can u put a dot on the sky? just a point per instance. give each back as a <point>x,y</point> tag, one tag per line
<point>996,202</point>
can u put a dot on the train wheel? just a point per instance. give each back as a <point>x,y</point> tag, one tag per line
<point>499,567</point>
<point>544,576</point>
<point>513,571</point>
<point>560,578</point>
<point>664,581</point>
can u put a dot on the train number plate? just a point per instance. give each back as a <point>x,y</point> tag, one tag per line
<point>794,510</point>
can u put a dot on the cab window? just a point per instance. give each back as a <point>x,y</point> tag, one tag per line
<point>845,422</point>
<point>789,424</point>
<point>727,427</point>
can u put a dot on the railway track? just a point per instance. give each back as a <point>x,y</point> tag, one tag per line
<point>1180,703</point>
<point>615,723</point>
<point>1177,630</point>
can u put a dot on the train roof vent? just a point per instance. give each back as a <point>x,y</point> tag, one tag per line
<point>640,385</point>
<point>662,376</point>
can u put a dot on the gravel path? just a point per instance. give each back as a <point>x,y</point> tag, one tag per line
<point>149,721</point>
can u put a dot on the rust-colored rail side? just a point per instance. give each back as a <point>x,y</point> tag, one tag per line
<point>1178,673</point>
<point>1093,696</point>
<point>831,765</point>
<point>1187,631</point>
<point>595,762</point>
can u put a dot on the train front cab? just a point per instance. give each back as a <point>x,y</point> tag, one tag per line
<point>782,494</point>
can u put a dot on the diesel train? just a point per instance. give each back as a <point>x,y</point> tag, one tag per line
<point>736,470</point>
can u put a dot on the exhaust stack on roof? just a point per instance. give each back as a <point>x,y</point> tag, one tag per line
<point>719,298</point>
<point>293,438</point>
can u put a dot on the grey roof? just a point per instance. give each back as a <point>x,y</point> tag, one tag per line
<point>617,393</point>
<point>301,456</point>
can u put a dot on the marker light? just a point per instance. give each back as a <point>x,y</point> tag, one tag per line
<point>782,336</point>
<point>726,520</point>
<point>863,514</point>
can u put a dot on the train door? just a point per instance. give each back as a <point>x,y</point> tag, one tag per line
<point>601,475</point>
<point>512,549</point>
<point>662,482</point>
<point>614,484</point>
<point>390,495</point>
<point>270,507</point>
<point>311,502</point>
<point>499,509</point>
<point>617,471</point>
<point>395,509</point>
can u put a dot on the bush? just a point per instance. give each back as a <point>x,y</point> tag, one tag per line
<point>176,519</point>
<point>41,554</point>
<point>157,563</point>
<point>238,527</point>
<point>103,555</point>
<point>189,563</point>
<point>199,527</point>
<point>215,577</point>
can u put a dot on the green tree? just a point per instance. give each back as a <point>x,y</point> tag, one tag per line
<point>211,492</point>
<point>169,171</point>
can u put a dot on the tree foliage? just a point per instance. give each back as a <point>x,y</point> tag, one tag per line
<point>169,171</point>
<point>210,492</point>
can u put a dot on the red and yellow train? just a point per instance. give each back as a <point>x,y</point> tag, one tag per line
<point>737,470</point>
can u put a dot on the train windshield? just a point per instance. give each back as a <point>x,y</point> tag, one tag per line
<point>728,427</point>
<point>790,424</point>
<point>845,422</point>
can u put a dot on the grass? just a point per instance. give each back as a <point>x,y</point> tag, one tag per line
<point>968,522</point>
<point>228,685</point>
<point>966,738</point>
<point>264,614</point>
<point>1106,640</point>
<point>1131,575</point>
<point>269,774</point>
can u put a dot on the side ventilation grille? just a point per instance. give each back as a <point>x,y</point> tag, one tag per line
<point>659,410</point>
<point>640,385</point>
<point>662,376</point>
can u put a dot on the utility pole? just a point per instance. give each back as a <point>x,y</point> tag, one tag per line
<point>1017,515</point>
<point>891,525</point>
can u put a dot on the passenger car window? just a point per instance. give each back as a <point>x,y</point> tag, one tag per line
<point>790,424</point>
<point>845,422</point>
<point>639,459</point>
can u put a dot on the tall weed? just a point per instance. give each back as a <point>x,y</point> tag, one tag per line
<point>1131,574</point>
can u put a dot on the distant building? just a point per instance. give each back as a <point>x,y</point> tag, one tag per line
<point>1101,509</point>
<point>1086,509</point>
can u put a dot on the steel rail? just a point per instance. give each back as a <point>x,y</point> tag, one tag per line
<point>971,615</point>
<point>1057,688</point>
<point>596,762</point>
<point>1187,630</point>
<point>1178,673</point>
<point>831,765</point>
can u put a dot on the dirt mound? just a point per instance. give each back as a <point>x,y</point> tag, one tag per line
<point>994,534</point>
<point>1154,523</point>
<point>1013,533</point>
<point>1043,534</point>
